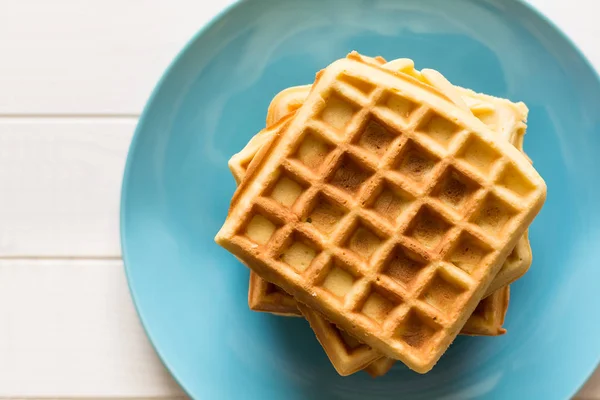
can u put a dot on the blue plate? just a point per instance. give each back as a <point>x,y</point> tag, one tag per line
<point>191,294</point>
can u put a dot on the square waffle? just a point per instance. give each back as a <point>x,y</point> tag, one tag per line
<point>392,276</point>
<point>505,118</point>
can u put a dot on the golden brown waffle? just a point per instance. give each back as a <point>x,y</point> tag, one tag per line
<point>347,354</point>
<point>488,317</point>
<point>431,205</point>
<point>286,102</point>
<point>266,297</point>
<point>504,118</point>
<point>380,367</point>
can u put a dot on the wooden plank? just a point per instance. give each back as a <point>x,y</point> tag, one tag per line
<point>70,330</point>
<point>60,181</point>
<point>100,57</point>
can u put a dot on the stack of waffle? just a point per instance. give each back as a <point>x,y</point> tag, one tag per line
<point>389,208</point>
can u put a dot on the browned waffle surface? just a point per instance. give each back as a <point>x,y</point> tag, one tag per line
<point>505,118</point>
<point>267,297</point>
<point>347,354</point>
<point>428,205</point>
<point>488,317</point>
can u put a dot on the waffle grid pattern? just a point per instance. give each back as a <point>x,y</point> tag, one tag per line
<point>416,217</point>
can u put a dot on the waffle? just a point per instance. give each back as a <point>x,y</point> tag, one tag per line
<point>286,102</point>
<point>267,297</point>
<point>380,367</point>
<point>503,117</point>
<point>404,273</point>
<point>488,317</point>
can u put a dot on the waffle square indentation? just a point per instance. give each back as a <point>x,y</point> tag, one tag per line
<point>493,215</point>
<point>376,138</point>
<point>286,190</point>
<point>259,229</point>
<point>403,265</point>
<point>398,104</point>
<point>443,292</point>
<point>299,252</point>
<point>350,175</point>
<point>455,189</point>
<point>390,201</point>
<point>312,150</point>
<point>338,112</point>
<point>479,154</point>
<point>339,280</point>
<point>325,214</point>
<point>438,128</point>
<point>512,179</point>
<point>468,253</point>
<point>415,162</point>
<point>416,329</point>
<point>364,241</point>
<point>379,304</point>
<point>428,227</point>
<point>357,83</point>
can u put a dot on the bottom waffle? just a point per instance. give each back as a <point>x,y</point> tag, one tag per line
<point>488,317</point>
<point>347,354</point>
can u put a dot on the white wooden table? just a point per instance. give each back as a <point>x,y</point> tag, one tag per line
<point>74,76</point>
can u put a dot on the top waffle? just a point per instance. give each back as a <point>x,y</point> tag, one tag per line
<point>502,116</point>
<point>403,274</point>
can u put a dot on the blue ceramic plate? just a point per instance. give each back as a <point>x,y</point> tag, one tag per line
<point>191,294</point>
